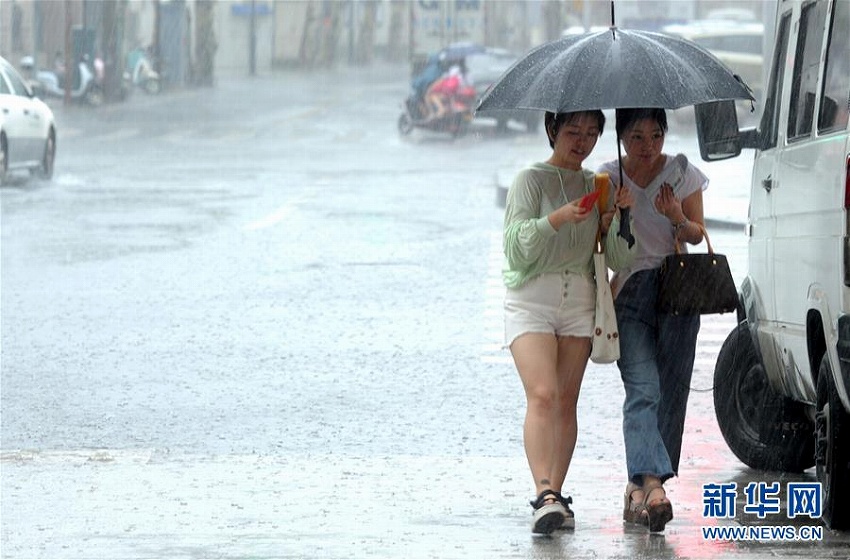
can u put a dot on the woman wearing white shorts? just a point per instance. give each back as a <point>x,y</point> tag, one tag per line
<point>549,305</point>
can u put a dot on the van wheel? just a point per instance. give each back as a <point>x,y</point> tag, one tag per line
<point>832,450</point>
<point>765,430</point>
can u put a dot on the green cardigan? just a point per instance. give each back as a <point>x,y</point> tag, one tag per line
<point>532,246</point>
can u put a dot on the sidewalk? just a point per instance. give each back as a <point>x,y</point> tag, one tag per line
<point>726,201</point>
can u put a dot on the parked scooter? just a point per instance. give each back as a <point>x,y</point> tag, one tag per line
<point>85,86</point>
<point>455,121</point>
<point>141,72</point>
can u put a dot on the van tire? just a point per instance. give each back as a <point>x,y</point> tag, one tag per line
<point>832,457</point>
<point>765,430</point>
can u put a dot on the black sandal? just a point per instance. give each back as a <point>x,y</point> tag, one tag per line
<point>549,512</point>
<point>569,517</point>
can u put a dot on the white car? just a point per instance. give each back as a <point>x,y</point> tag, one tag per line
<point>27,127</point>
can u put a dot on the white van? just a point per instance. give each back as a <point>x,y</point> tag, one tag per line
<point>782,379</point>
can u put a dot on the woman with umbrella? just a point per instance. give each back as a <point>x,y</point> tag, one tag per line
<point>657,349</point>
<point>549,239</point>
<point>631,68</point>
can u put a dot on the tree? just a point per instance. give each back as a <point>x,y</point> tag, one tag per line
<point>330,33</point>
<point>112,32</point>
<point>206,44</point>
<point>397,47</point>
<point>366,37</point>
<point>553,19</point>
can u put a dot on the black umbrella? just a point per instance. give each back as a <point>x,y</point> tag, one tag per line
<point>614,69</point>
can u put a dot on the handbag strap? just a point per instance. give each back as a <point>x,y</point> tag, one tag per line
<point>601,206</point>
<point>704,234</point>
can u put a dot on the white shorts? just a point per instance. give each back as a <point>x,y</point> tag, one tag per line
<point>563,304</point>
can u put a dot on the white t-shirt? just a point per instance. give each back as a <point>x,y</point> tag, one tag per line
<point>652,230</point>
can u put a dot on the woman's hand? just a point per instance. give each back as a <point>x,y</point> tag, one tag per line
<point>667,204</point>
<point>622,199</point>
<point>570,212</point>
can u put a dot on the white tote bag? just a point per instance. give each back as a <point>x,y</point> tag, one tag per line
<point>606,337</point>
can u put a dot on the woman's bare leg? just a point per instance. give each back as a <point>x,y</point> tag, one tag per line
<point>573,353</point>
<point>535,356</point>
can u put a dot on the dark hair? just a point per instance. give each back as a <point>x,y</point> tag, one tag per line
<point>627,117</point>
<point>554,121</point>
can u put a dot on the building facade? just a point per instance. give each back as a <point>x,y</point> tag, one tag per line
<point>196,40</point>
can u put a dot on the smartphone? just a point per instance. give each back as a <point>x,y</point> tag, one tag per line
<point>588,200</point>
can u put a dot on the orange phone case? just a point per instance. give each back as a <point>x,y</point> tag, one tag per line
<point>603,184</point>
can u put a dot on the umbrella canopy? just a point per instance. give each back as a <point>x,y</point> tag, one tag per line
<point>614,69</point>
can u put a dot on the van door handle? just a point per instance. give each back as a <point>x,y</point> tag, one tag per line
<point>767,184</point>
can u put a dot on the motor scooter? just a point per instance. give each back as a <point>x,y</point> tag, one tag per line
<point>142,73</point>
<point>455,121</point>
<point>85,86</point>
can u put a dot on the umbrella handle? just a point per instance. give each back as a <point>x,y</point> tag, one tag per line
<point>625,227</point>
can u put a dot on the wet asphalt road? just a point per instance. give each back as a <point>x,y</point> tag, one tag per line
<point>253,322</point>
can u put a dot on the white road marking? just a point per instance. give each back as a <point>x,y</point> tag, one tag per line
<point>272,218</point>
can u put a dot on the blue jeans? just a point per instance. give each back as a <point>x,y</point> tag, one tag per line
<point>656,364</point>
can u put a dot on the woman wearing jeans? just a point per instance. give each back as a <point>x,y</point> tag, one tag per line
<point>656,349</point>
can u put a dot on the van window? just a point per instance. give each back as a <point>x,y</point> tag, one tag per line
<point>835,97</point>
<point>806,70</point>
<point>769,125</point>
